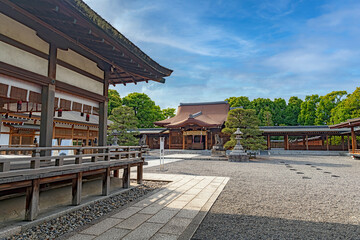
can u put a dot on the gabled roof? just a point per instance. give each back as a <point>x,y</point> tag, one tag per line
<point>75,25</point>
<point>212,114</point>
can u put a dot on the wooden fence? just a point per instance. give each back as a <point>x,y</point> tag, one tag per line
<point>40,168</point>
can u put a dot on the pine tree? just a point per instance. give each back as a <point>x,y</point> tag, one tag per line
<point>248,122</point>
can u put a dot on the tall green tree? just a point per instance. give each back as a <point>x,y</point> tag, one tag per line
<point>145,109</point>
<point>248,122</point>
<point>123,119</point>
<point>114,100</point>
<point>261,105</point>
<point>326,104</point>
<point>308,110</point>
<point>292,111</point>
<point>278,112</point>
<point>242,101</point>
<point>168,112</point>
<point>347,108</point>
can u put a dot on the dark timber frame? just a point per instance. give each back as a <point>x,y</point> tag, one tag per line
<point>71,24</point>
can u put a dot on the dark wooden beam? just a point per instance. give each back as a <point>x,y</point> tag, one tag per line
<point>106,183</point>
<point>32,200</point>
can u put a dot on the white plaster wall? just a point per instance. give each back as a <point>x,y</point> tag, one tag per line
<point>73,78</point>
<point>80,61</point>
<point>4,138</point>
<point>22,59</point>
<point>21,33</point>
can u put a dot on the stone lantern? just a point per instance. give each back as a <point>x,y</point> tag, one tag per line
<point>238,154</point>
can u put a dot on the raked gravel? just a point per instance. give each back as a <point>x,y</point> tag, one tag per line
<point>72,221</point>
<point>282,197</point>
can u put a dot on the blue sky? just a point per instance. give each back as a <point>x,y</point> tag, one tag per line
<point>254,48</point>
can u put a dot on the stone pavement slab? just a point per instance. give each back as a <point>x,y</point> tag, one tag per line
<point>102,226</point>
<point>168,214</point>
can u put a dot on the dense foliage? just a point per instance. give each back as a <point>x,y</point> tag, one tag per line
<point>145,109</point>
<point>123,119</point>
<point>248,122</point>
<point>135,110</point>
<point>114,100</point>
<point>332,108</point>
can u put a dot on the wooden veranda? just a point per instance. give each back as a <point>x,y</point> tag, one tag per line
<point>28,174</point>
<point>60,55</point>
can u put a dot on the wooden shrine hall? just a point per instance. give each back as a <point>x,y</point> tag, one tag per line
<point>195,125</point>
<point>354,125</point>
<point>60,56</point>
<point>316,138</point>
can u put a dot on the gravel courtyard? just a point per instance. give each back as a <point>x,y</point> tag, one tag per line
<point>282,197</point>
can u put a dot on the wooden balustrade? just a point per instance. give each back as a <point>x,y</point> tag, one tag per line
<point>31,171</point>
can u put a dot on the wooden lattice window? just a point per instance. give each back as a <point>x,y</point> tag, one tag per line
<point>95,111</point>
<point>87,108</point>
<point>18,93</point>
<point>65,104</point>
<point>76,106</point>
<point>56,102</point>
<point>34,97</point>
<point>3,90</point>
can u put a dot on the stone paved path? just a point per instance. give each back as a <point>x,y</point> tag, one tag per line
<point>167,214</point>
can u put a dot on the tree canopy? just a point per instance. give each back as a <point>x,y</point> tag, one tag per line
<point>326,104</point>
<point>248,122</point>
<point>308,110</point>
<point>114,100</point>
<point>168,112</point>
<point>347,108</point>
<point>145,109</point>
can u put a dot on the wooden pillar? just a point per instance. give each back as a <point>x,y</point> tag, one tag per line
<point>87,136</point>
<point>206,142</point>
<point>47,103</point>
<point>169,140</point>
<point>102,123</point>
<point>126,177</point>
<point>32,200</point>
<point>327,142</point>
<point>348,142</point>
<point>72,131</point>
<point>183,141</point>
<point>77,189</point>
<point>286,141</point>
<point>47,117</point>
<point>140,173</point>
<point>117,173</point>
<point>211,139</point>
<point>103,113</point>
<point>106,182</point>
<point>353,140</point>
<point>307,142</point>
<point>269,142</point>
<point>342,143</point>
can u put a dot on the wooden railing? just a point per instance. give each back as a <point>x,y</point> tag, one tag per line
<point>105,153</point>
<point>31,171</point>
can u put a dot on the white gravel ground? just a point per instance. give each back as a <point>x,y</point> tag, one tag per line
<point>283,197</point>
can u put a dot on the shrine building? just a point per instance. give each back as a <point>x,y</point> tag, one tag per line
<point>194,126</point>
<point>57,61</point>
